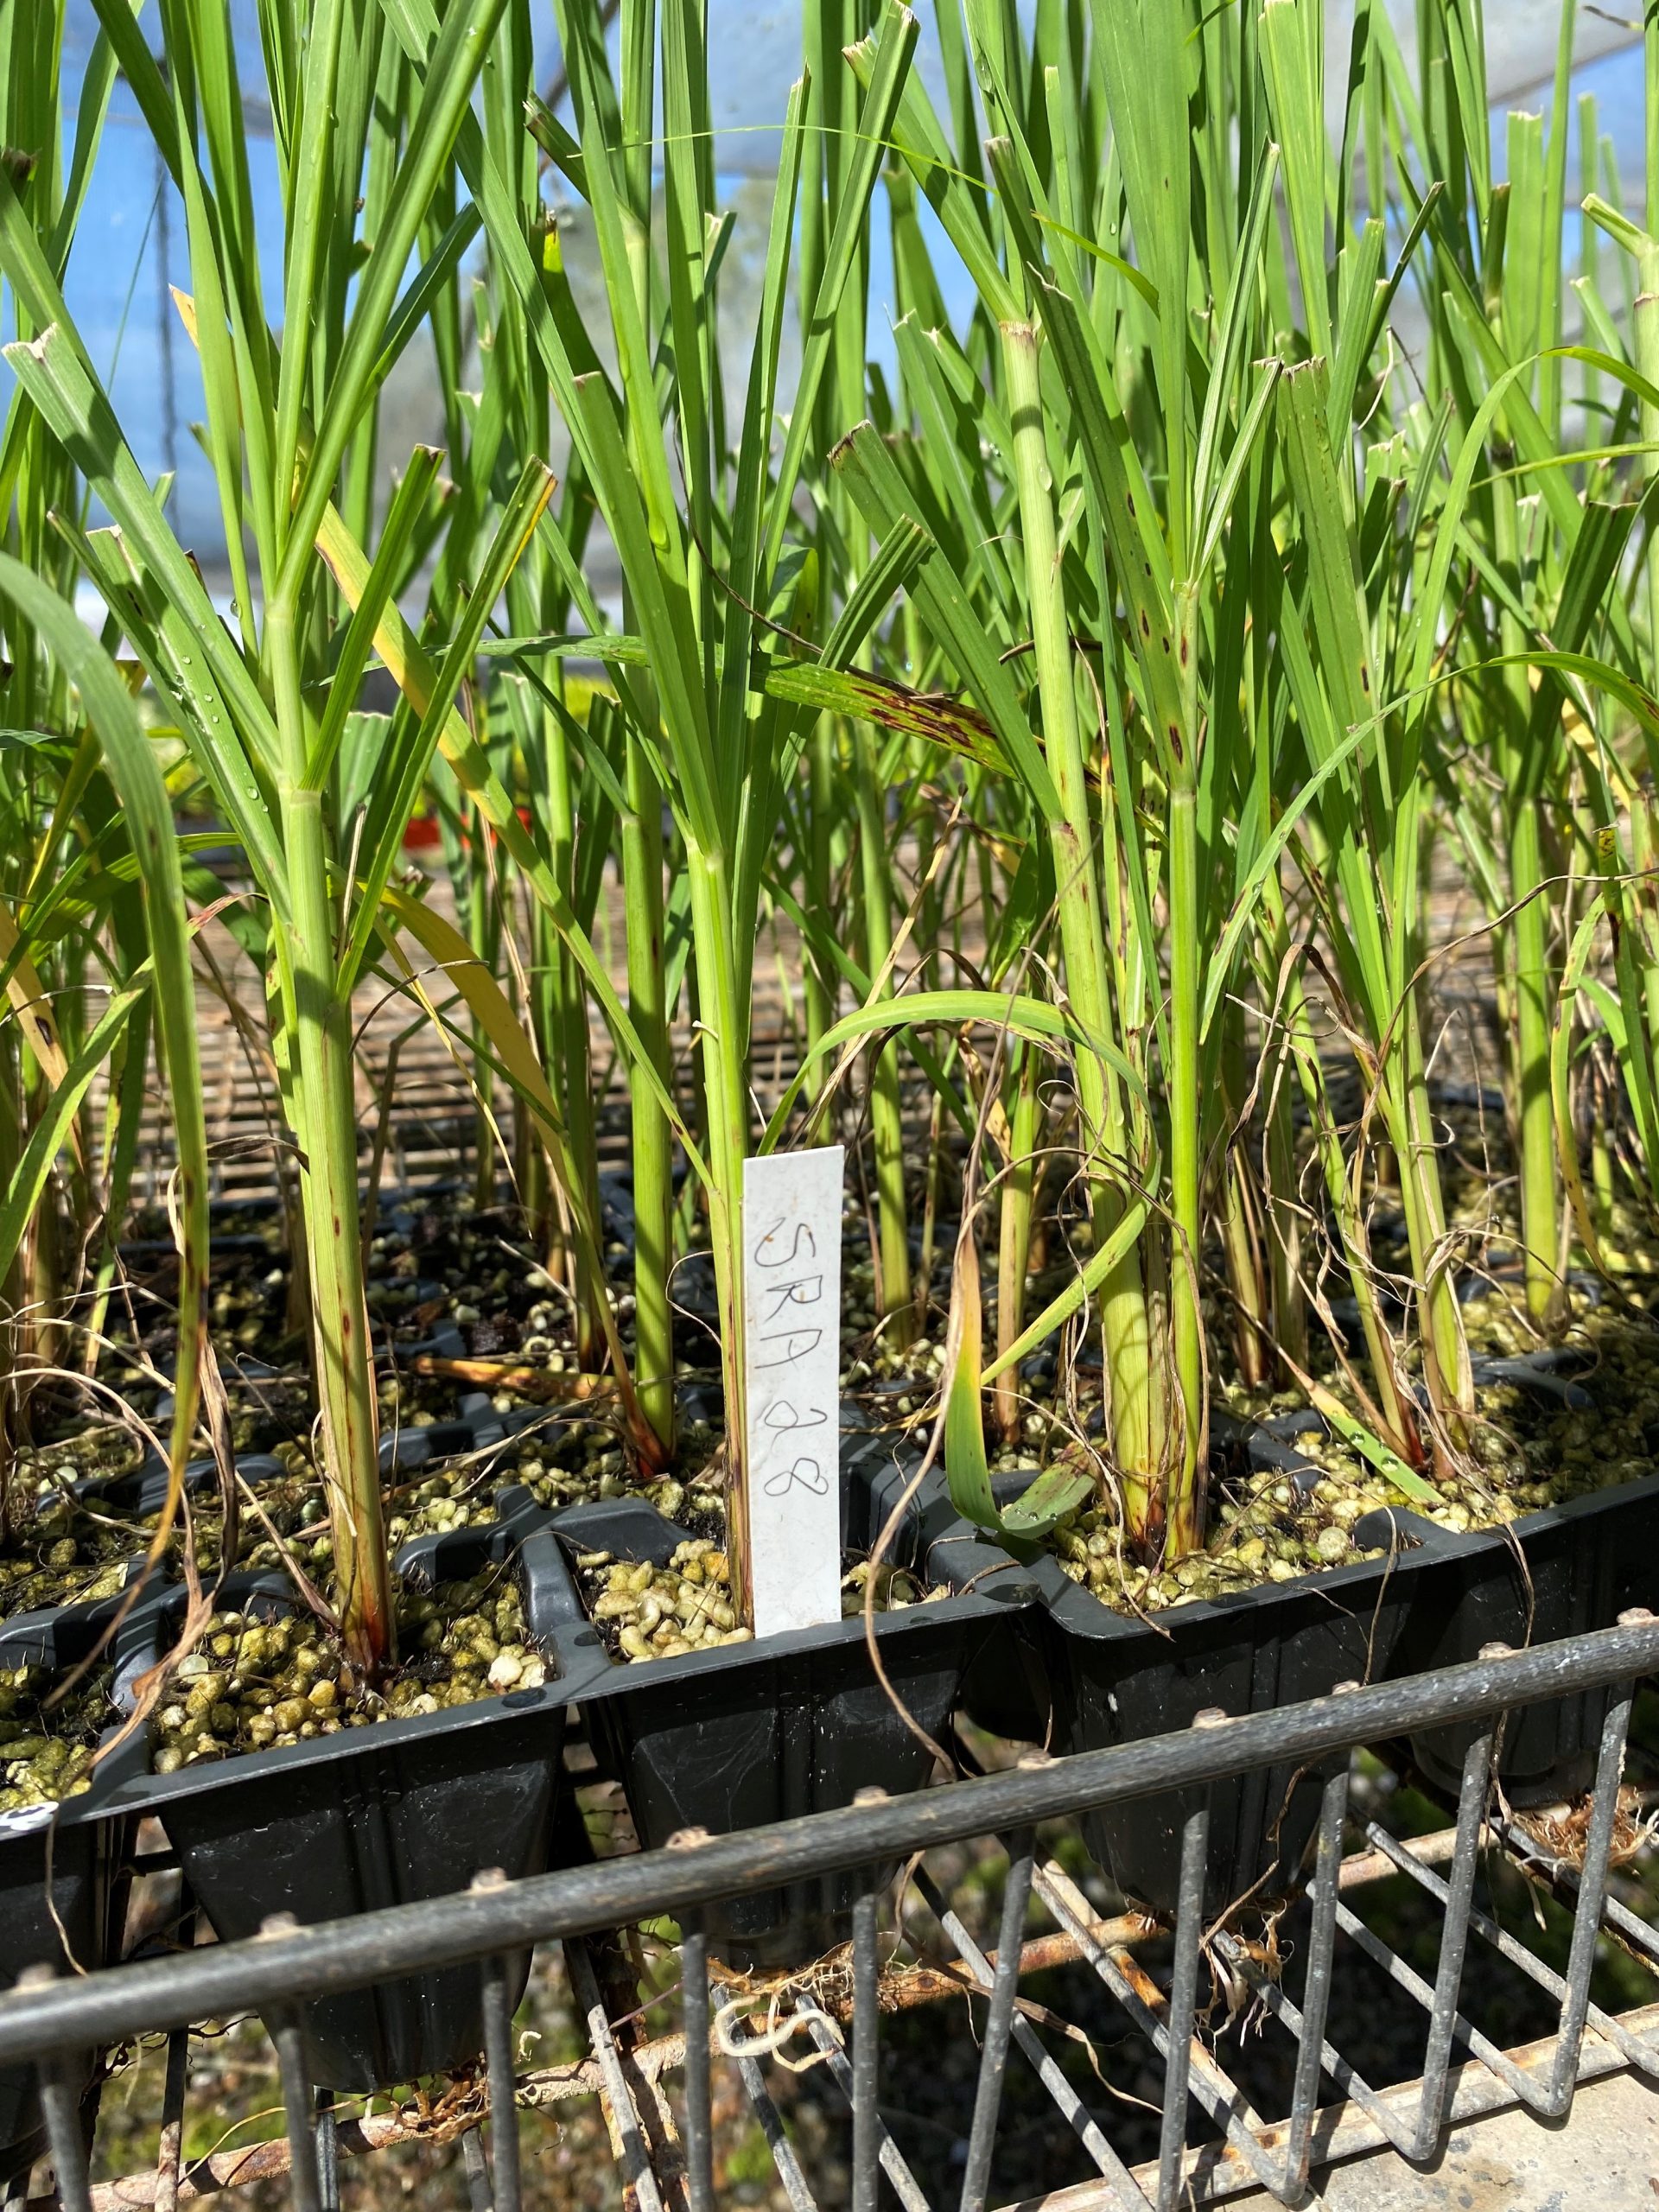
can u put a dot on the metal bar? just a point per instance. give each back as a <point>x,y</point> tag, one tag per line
<point>63,2082</point>
<point>1143,2000</point>
<point>783,2151</point>
<point>866,2030</point>
<point>1454,1945</point>
<point>1072,2106</point>
<point>1316,1985</point>
<point>1347,2078</point>
<point>1416,2140</point>
<point>287,2033</point>
<point>1642,2055</point>
<point>1379,2106</point>
<point>1343,2132</point>
<point>827,2035</point>
<point>1182,2003</point>
<point>480,2196</point>
<point>160,1994</point>
<point>504,2109</point>
<point>636,2159</point>
<point>1592,1887</point>
<point>999,2018</point>
<point>171,2145</point>
<point>699,2104</point>
<point>327,2153</point>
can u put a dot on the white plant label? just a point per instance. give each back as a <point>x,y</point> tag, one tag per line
<point>791,1308</point>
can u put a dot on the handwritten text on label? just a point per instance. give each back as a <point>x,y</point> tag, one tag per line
<point>791,1289</point>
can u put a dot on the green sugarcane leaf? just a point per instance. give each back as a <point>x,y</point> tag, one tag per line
<point>1333,580</point>
<point>136,774</point>
<point>750,490</point>
<point>1240,456</point>
<point>672,652</point>
<point>413,673</point>
<point>1021,1016</point>
<point>953,424</point>
<point>1089,1279</point>
<point>23,1194</point>
<point>897,557</point>
<point>1243,908</point>
<point>220,705</point>
<point>1042,1507</point>
<point>451,73</point>
<point>1359,284</point>
<point>1292,34</point>
<point>884,90</point>
<point>956,196</point>
<point>38,745</point>
<point>164,636</point>
<point>1128,525</point>
<point>1233,336</point>
<point>385,575</point>
<point>882,496</point>
<point>1591,566</point>
<point>1382,1457</point>
<point>397,785</point>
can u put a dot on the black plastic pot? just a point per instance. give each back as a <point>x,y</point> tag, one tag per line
<point>65,1861</point>
<point>745,1734</point>
<point>1077,1676</point>
<point>1558,1572</point>
<point>1086,1678</point>
<point>384,1815</point>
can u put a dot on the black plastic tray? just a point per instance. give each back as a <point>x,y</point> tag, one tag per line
<point>1557,1573</point>
<point>391,1813</point>
<point>64,1861</point>
<point>1090,1678</point>
<point>745,1734</point>
<point>1076,1675</point>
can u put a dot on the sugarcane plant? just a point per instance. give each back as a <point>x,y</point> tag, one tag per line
<point>1091,680</point>
<point>263,706</point>
<point>1166,438</point>
<point>701,571</point>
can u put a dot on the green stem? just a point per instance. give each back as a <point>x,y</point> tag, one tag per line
<point>1185,1509</point>
<point>893,1284</point>
<point>13,1503</point>
<point>1411,1128</point>
<point>720,1001</point>
<point>483,934</point>
<point>1527,986</point>
<point>652,1143</point>
<point>572,1060</point>
<point>1239,1215</point>
<point>327,1132</point>
<point>823,982</point>
<point>1285,1224</point>
<point>1013,1234</point>
<point>1539,1203</point>
<point>929,1211</point>
<point>1135,1407</point>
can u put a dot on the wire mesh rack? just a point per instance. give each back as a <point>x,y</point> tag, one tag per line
<point>1200,2139</point>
